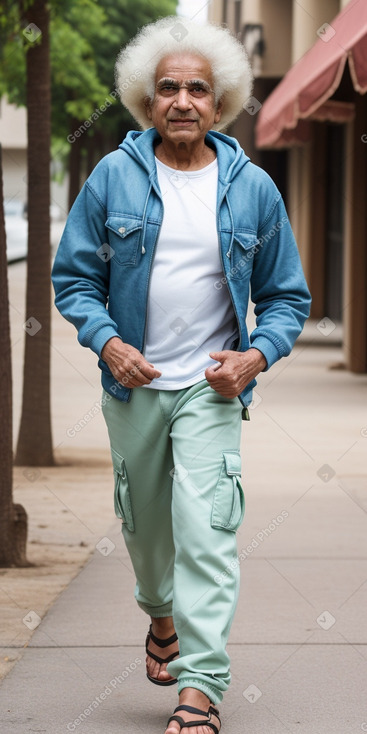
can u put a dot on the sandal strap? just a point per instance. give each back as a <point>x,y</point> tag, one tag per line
<point>192,710</point>
<point>213,710</point>
<point>162,660</point>
<point>162,643</point>
<point>189,724</point>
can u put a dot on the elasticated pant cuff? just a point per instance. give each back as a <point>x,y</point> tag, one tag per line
<point>213,694</point>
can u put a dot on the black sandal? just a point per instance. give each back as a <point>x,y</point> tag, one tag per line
<point>207,722</point>
<point>161,643</point>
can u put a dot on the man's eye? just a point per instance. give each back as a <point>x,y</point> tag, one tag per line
<point>197,89</point>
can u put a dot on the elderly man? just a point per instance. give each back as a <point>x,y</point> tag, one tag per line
<point>154,270</point>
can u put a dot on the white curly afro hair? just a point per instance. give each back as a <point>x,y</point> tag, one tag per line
<point>137,62</point>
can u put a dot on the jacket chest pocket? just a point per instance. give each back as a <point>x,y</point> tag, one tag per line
<point>244,248</point>
<point>125,238</point>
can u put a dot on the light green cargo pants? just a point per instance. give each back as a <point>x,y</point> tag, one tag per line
<point>177,473</point>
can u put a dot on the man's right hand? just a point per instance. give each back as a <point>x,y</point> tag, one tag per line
<point>127,364</point>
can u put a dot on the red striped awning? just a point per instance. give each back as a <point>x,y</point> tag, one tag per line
<point>304,92</point>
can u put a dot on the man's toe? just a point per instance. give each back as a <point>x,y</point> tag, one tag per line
<point>164,675</point>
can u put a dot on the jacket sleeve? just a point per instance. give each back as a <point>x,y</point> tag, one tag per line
<point>80,273</point>
<point>278,287</point>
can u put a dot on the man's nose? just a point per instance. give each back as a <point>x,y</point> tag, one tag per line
<point>182,99</point>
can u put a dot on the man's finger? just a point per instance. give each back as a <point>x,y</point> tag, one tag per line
<point>146,369</point>
<point>218,356</point>
<point>129,380</point>
<point>137,377</point>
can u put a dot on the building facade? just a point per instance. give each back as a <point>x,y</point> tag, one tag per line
<point>322,170</point>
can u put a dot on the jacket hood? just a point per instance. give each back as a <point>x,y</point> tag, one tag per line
<point>231,158</point>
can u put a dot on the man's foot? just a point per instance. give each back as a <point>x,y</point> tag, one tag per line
<point>195,698</point>
<point>162,628</point>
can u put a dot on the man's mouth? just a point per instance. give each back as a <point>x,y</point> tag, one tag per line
<point>185,121</point>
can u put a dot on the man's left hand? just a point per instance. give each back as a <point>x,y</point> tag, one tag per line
<point>235,371</point>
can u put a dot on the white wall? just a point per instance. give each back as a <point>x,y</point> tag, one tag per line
<point>13,125</point>
<point>308,17</point>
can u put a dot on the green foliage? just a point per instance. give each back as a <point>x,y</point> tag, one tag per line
<point>12,53</point>
<point>85,38</point>
<point>76,85</point>
<point>123,20</point>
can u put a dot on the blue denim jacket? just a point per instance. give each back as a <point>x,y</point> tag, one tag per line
<point>106,253</point>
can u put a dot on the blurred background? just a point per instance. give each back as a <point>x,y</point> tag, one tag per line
<point>299,636</point>
<point>310,137</point>
<point>305,124</point>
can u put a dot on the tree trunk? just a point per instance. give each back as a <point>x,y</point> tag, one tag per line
<point>13,518</point>
<point>74,163</point>
<point>35,438</point>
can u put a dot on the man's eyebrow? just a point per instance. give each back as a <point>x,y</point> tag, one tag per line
<point>199,81</point>
<point>170,80</point>
<point>167,79</point>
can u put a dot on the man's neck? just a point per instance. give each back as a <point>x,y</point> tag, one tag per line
<point>183,158</point>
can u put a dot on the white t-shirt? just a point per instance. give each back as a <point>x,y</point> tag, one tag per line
<point>188,317</point>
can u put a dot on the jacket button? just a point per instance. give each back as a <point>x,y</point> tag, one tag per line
<point>143,250</point>
<point>122,230</point>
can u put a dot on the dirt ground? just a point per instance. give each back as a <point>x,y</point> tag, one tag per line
<point>69,507</point>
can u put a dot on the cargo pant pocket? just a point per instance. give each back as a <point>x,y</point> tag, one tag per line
<point>122,499</point>
<point>229,501</point>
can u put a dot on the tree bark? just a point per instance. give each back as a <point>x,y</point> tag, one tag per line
<point>13,518</point>
<point>35,436</point>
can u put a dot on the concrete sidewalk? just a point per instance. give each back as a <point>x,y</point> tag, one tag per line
<point>298,641</point>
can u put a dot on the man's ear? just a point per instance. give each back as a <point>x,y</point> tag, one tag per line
<point>218,111</point>
<point>148,107</point>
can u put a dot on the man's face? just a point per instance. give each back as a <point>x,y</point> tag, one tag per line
<point>183,115</point>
